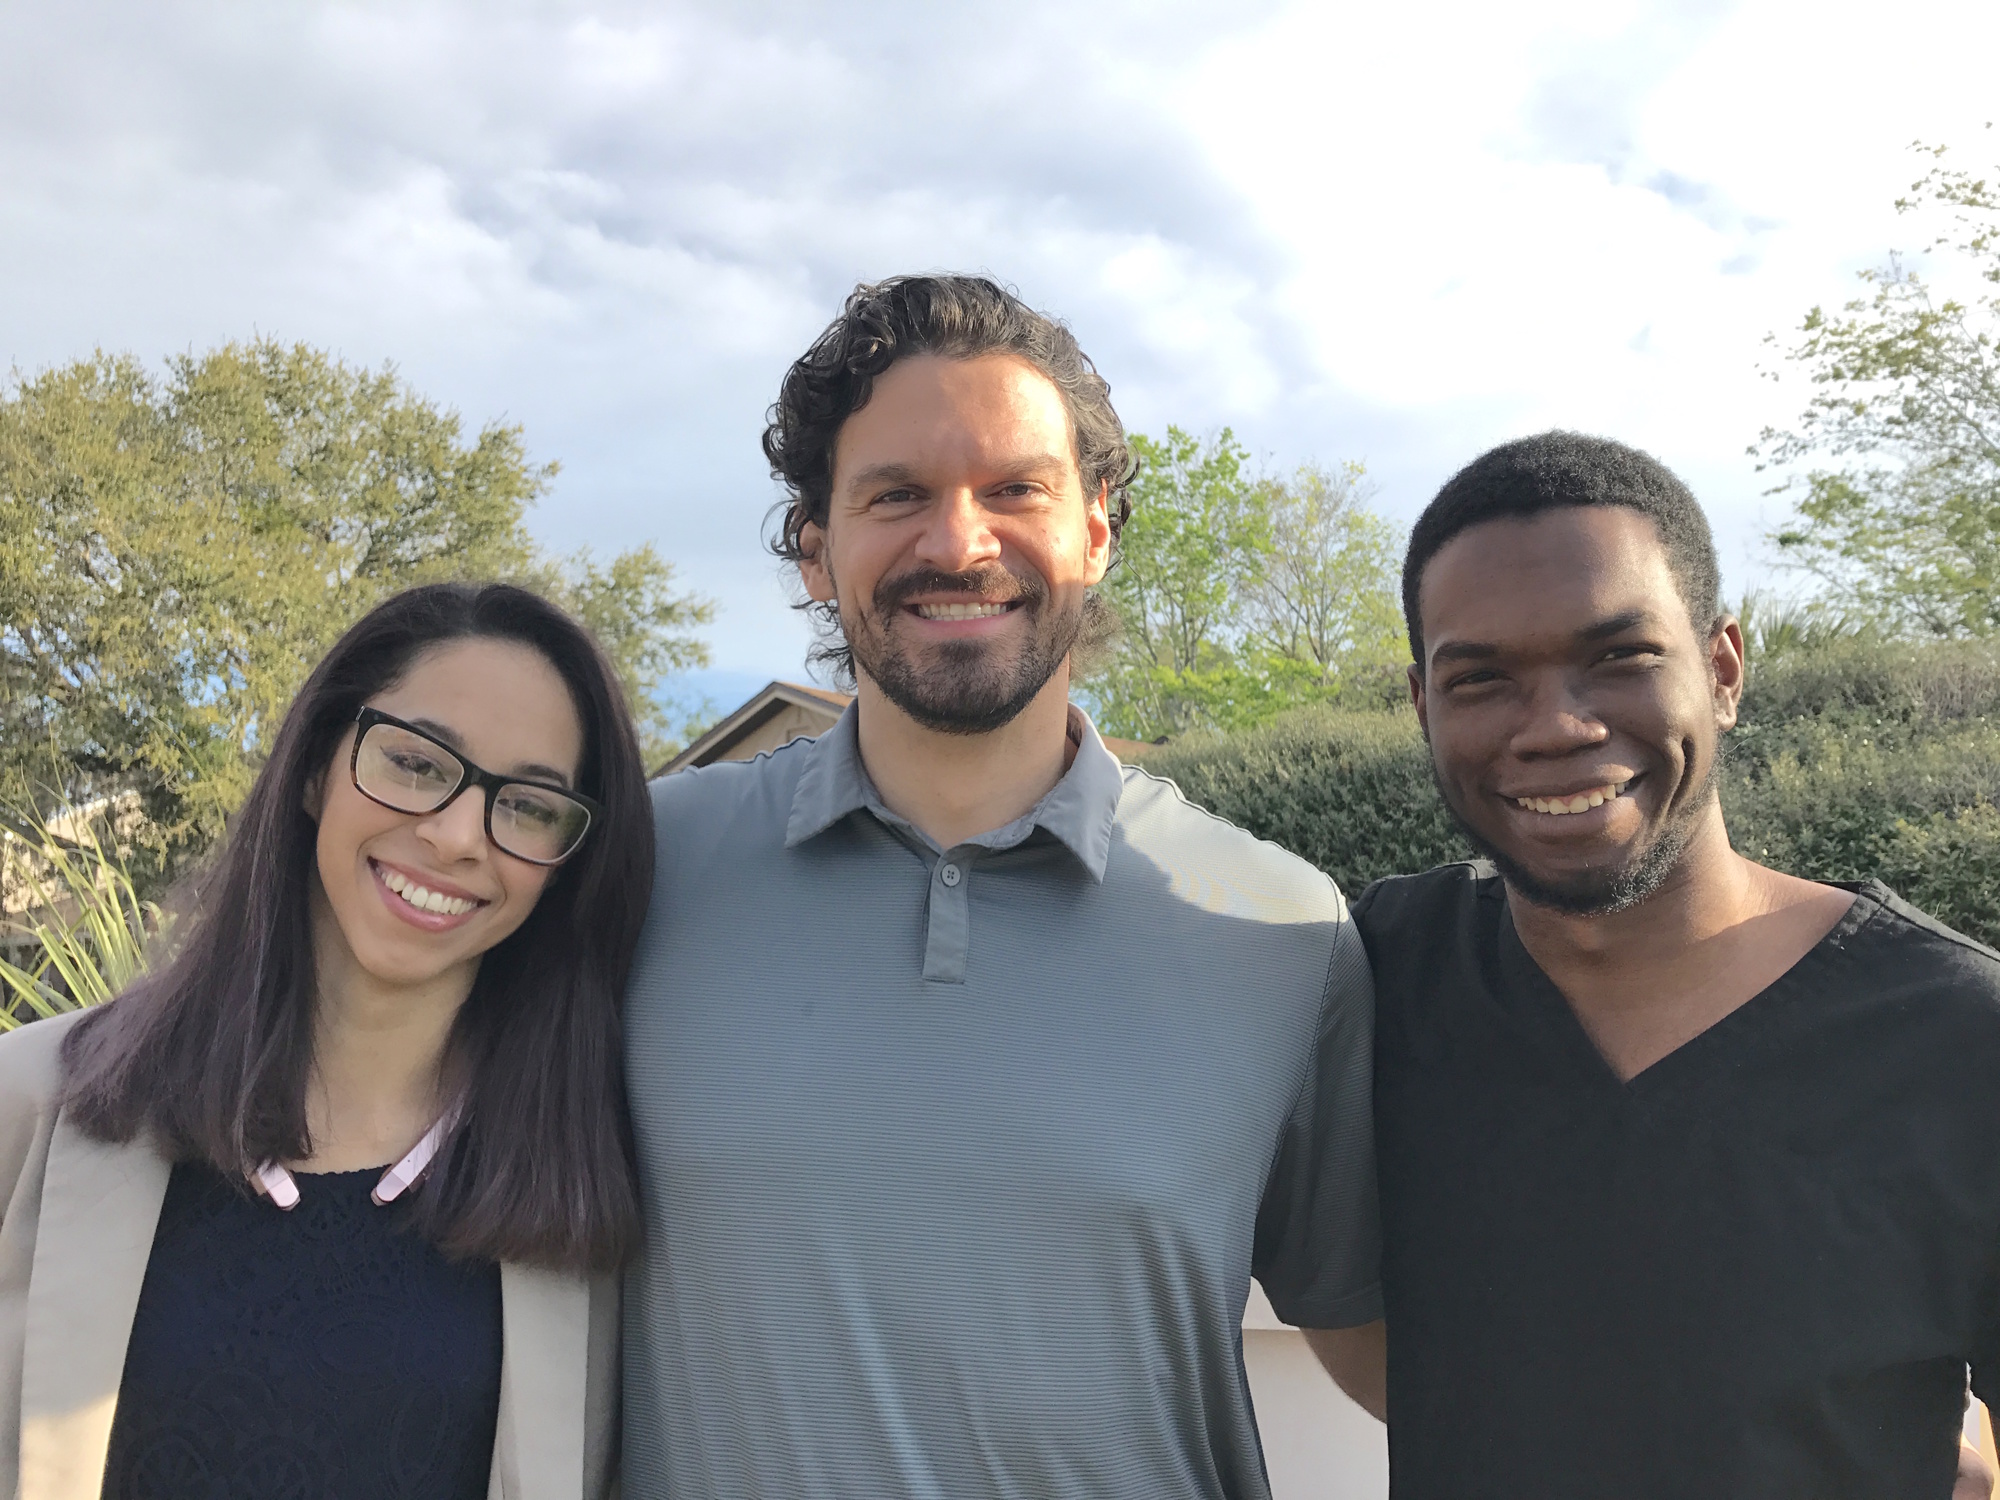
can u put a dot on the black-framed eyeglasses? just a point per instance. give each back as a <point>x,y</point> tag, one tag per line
<point>409,771</point>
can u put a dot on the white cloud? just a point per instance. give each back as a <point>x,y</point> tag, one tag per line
<point>1400,233</point>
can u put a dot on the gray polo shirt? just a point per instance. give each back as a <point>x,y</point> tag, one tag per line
<point>958,1162</point>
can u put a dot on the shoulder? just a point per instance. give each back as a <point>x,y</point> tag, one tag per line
<point>1919,947</point>
<point>1402,907</point>
<point>1212,858</point>
<point>729,793</point>
<point>1432,942</point>
<point>726,782</point>
<point>30,1086</point>
<point>31,1063</point>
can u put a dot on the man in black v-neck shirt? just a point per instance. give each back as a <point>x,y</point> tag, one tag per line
<point>1688,1168</point>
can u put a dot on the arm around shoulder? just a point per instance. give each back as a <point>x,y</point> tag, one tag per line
<point>1358,1361</point>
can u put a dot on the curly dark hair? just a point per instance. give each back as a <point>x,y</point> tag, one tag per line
<point>1556,469</point>
<point>960,317</point>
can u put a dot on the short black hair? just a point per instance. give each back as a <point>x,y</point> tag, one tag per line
<point>1556,469</point>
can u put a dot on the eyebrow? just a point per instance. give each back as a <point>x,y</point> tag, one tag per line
<point>1464,651</point>
<point>532,770</point>
<point>1603,630</point>
<point>895,472</point>
<point>889,473</point>
<point>1616,624</point>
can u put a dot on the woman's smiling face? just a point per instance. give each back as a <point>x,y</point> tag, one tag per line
<point>416,897</point>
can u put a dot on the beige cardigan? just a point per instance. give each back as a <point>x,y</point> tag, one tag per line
<point>76,1229</point>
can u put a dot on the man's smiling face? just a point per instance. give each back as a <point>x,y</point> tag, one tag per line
<point>1574,711</point>
<point>959,541</point>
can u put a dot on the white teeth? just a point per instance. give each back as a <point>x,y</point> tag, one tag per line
<point>1576,802</point>
<point>960,611</point>
<point>423,898</point>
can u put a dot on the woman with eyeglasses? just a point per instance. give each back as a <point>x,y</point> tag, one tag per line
<point>328,1205</point>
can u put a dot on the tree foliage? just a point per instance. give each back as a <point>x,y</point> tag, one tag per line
<point>1326,593</point>
<point>176,552</point>
<point>1243,595</point>
<point>1899,509</point>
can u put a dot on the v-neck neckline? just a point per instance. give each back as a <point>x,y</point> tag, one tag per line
<point>1548,1007</point>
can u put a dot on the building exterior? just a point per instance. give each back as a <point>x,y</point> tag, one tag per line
<point>776,715</point>
<point>1318,1445</point>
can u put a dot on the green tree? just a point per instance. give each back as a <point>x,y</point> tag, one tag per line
<point>1326,594</point>
<point>176,552</point>
<point>1188,557</point>
<point>1241,596</point>
<point>1899,509</point>
<point>649,628</point>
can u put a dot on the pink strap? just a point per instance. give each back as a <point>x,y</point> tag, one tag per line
<point>277,1184</point>
<point>405,1173</point>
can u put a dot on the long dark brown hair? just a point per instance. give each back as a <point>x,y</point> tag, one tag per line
<point>212,1054</point>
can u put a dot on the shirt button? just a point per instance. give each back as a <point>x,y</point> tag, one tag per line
<point>950,875</point>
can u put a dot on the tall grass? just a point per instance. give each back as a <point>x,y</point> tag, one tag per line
<point>80,911</point>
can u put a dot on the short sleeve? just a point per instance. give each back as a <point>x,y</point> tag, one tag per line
<point>1318,1246</point>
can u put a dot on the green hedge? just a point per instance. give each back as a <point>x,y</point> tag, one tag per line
<point>1349,790</point>
<point>1857,760</point>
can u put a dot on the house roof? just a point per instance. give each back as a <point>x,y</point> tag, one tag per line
<point>763,706</point>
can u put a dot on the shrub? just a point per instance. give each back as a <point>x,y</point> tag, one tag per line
<point>1854,759</point>
<point>1901,682</point>
<point>1949,864</point>
<point>1349,790</point>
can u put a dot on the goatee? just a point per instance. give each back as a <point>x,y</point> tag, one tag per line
<point>1597,893</point>
<point>965,686</point>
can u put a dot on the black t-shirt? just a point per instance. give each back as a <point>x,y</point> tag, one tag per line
<point>1759,1269</point>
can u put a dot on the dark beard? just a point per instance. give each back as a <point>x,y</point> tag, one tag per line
<point>1598,893</point>
<point>966,688</point>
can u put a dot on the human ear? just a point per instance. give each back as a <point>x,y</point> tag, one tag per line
<point>1097,534</point>
<point>1417,701</point>
<point>1727,670</point>
<point>813,569</point>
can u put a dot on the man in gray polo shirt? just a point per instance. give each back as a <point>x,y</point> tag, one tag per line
<point>974,1074</point>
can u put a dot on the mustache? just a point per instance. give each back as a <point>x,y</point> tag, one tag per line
<point>993,581</point>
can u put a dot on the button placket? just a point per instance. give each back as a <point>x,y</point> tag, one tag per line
<point>948,931</point>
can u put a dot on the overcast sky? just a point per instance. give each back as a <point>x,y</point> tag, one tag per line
<point>1392,233</point>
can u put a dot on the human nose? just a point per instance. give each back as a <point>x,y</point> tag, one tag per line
<point>457,831</point>
<point>957,536</point>
<point>1558,722</point>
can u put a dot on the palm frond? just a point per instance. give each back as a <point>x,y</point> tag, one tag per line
<point>85,925</point>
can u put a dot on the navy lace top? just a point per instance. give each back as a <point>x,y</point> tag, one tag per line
<point>321,1354</point>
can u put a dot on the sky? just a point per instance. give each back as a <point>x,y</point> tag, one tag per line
<point>1391,234</point>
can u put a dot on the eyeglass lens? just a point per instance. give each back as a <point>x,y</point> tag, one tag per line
<point>412,774</point>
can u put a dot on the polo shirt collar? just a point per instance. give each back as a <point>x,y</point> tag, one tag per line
<point>1078,811</point>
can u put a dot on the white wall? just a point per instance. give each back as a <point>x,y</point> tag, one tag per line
<point>1318,1445</point>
